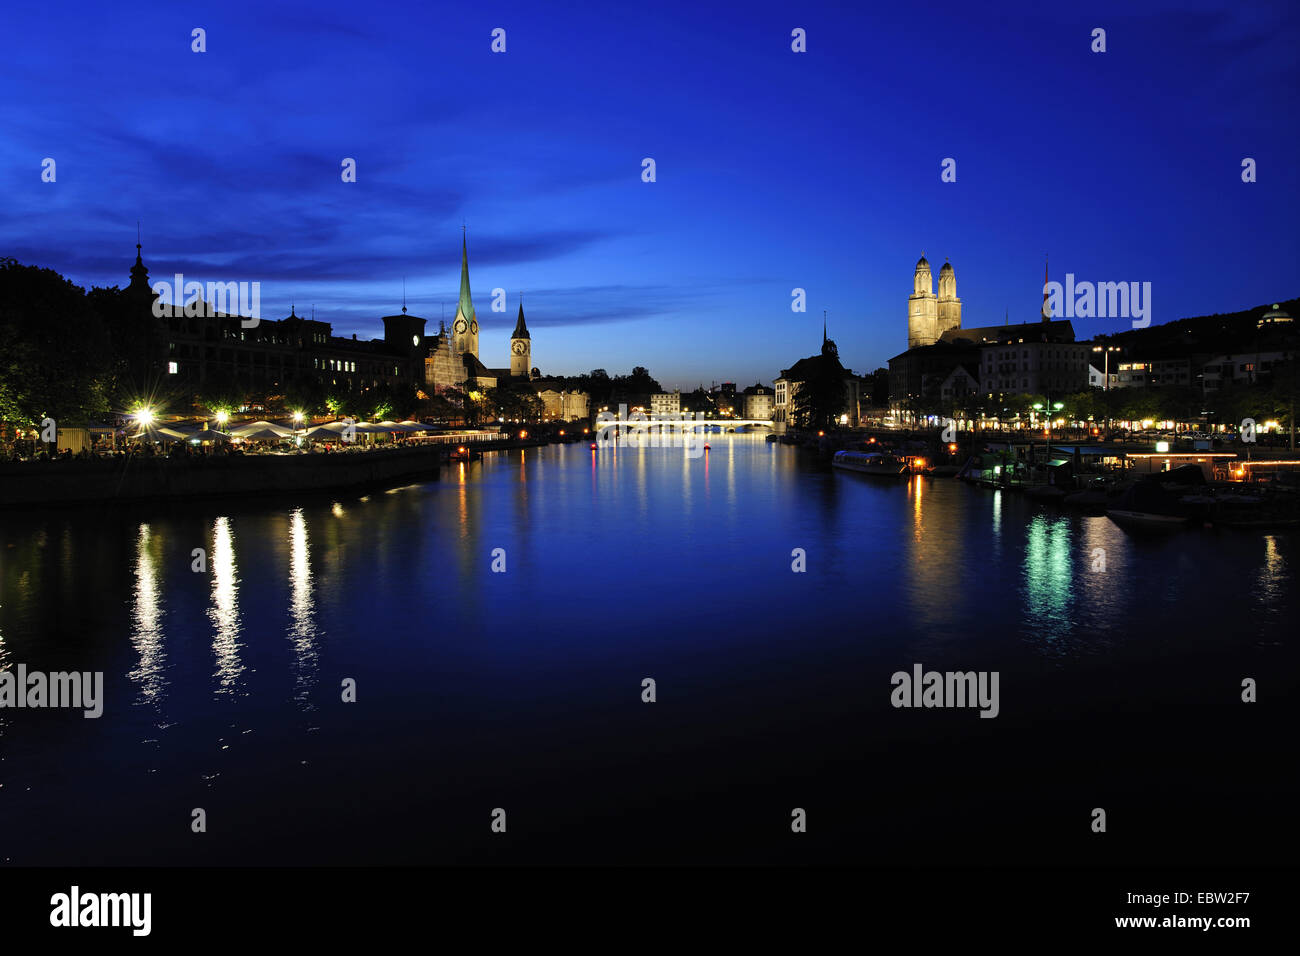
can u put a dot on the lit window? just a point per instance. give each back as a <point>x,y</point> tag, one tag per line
<point>173,368</point>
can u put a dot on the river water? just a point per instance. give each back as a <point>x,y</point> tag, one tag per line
<point>1120,662</point>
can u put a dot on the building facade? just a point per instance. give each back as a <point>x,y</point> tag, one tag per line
<point>563,404</point>
<point>194,347</point>
<point>930,315</point>
<point>1026,364</point>
<point>1239,369</point>
<point>758,403</point>
<point>785,398</point>
<point>666,403</point>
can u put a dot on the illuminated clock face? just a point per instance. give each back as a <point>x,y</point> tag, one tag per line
<point>518,348</point>
<point>415,340</point>
<point>460,326</point>
<point>473,327</point>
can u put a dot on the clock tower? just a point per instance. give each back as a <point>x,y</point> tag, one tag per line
<point>521,347</point>
<point>464,328</point>
<point>405,333</point>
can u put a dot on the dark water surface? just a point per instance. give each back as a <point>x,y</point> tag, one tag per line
<point>1119,689</point>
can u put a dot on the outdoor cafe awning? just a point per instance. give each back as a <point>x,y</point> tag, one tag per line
<point>338,428</point>
<point>267,432</point>
<point>160,433</point>
<point>329,428</point>
<point>261,429</point>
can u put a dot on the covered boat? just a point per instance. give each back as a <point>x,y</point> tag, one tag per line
<point>871,463</point>
<point>1146,504</point>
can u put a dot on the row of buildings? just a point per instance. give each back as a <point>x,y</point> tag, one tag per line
<point>946,363</point>
<point>753,403</point>
<point>195,346</point>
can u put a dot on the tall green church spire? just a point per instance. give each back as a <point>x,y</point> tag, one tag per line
<point>466,307</point>
<point>465,327</point>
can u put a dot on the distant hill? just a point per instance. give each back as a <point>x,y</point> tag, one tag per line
<point>1220,333</point>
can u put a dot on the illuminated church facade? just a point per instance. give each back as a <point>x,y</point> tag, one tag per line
<point>929,316</point>
<point>453,362</point>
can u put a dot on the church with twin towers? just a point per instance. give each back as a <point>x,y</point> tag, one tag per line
<point>930,315</point>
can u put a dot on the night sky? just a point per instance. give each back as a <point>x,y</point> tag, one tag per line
<point>775,170</point>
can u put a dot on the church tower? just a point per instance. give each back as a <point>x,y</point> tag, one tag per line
<point>145,346</point>
<point>521,347</point>
<point>464,328</point>
<point>949,304</point>
<point>922,308</point>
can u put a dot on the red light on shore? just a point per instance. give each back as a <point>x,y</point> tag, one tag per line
<point>593,446</point>
<point>706,447</point>
<point>461,448</point>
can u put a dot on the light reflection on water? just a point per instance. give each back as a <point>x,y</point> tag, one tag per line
<point>224,612</point>
<point>146,613</point>
<point>302,629</point>
<point>622,562</point>
<point>1049,579</point>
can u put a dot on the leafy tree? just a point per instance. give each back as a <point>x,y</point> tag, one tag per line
<point>820,399</point>
<point>305,394</point>
<point>220,391</point>
<point>57,358</point>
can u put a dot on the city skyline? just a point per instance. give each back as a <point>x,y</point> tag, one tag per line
<point>544,163</point>
<point>742,439</point>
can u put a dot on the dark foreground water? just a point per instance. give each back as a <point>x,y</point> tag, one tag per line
<point>1119,688</point>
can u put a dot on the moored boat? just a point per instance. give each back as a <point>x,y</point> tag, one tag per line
<point>1145,504</point>
<point>1046,492</point>
<point>872,463</point>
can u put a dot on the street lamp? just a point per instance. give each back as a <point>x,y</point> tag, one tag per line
<point>1105,375</point>
<point>1105,379</point>
<point>1053,407</point>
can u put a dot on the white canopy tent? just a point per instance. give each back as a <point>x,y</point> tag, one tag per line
<point>160,433</point>
<point>261,429</point>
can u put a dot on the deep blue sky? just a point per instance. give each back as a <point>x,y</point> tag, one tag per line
<point>775,169</point>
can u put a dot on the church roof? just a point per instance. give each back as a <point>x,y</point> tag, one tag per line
<point>139,274</point>
<point>1057,330</point>
<point>806,368</point>
<point>521,330</point>
<point>944,348</point>
<point>466,304</point>
<point>966,369</point>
